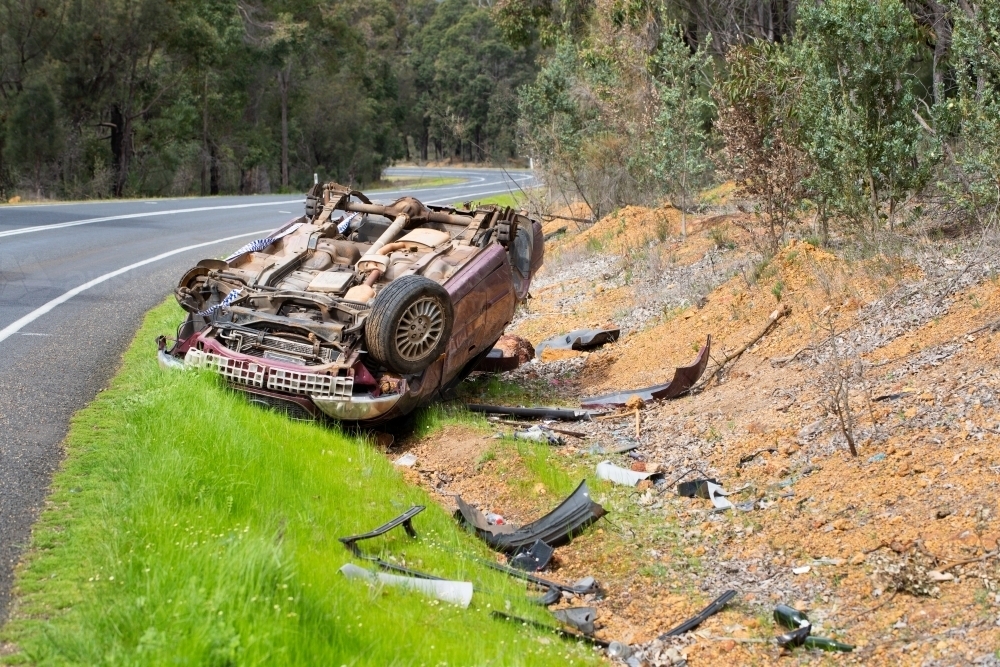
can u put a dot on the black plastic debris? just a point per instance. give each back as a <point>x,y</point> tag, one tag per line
<point>581,618</point>
<point>580,339</point>
<point>709,489</point>
<point>542,626</point>
<point>684,378</point>
<point>406,521</point>
<point>531,413</point>
<point>585,586</point>
<point>550,597</point>
<point>496,362</point>
<point>555,528</point>
<point>533,559</point>
<point>696,488</point>
<point>713,608</point>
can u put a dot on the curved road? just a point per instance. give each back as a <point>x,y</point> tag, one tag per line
<point>75,282</point>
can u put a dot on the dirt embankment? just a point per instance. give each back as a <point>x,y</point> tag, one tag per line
<point>894,550</point>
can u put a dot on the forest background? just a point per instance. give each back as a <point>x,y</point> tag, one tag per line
<point>860,112</point>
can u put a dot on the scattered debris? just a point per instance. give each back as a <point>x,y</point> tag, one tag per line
<point>533,559</point>
<point>406,460</point>
<point>581,618</point>
<point>708,489</point>
<point>585,586</point>
<point>801,627</point>
<point>684,378</point>
<point>580,339</point>
<point>747,458</point>
<point>539,434</point>
<point>556,528</point>
<point>531,413</point>
<point>541,626</point>
<point>612,473</point>
<point>713,608</point>
<point>455,592</point>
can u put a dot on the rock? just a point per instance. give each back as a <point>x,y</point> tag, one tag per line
<point>942,512</point>
<point>644,485</point>
<point>842,524</point>
<point>639,466</point>
<point>727,645</point>
<point>903,470</point>
<point>934,575</point>
<point>634,403</point>
<point>857,559</point>
<point>515,346</point>
<point>801,570</point>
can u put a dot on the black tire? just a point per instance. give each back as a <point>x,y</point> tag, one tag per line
<point>410,324</point>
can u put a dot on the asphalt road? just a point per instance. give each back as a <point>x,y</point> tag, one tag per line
<point>75,282</point>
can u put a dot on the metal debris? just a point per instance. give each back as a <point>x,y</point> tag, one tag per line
<point>580,339</point>
<point>556,528</point>
<point>684,378</point>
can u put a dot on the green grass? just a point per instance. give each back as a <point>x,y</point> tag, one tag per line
<point>511,199</point>
<point>189,527</point>
<point>407,182</point>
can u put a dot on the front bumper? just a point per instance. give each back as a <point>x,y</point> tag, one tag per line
<point>330,395</point>
<point>356,408</point>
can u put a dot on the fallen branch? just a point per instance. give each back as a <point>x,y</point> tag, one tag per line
<point>772,321</point>
<point>548,217</point>
<point>987,556</point>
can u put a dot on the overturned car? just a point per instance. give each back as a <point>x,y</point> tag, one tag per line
<point>356,310</point>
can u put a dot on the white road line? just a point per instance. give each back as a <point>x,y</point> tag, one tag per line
<point>89,221</point>
<point>15,327</point>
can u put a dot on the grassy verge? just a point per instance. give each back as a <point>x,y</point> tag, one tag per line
<point>512,199</point>
<point>187,526</point>
<point>404,182</point>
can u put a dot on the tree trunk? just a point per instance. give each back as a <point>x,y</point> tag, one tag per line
<point>214,171</point>
<point>119,149</point>
<point>205,159</point>
<point>942,43</point>
<point>283,77</point>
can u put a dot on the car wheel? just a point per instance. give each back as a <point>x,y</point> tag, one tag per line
<point>409,325</point>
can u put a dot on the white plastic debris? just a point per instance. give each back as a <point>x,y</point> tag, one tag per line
<point>801,570</point>
<point>539,434</point>
<point>934,575</point>
<point>718,496</point>
<point>406,460</point>
<point>168,362</point>
<point>454,592</point>
<point>618,475</point>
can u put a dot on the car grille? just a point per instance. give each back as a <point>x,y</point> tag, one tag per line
<point>254,374</point>
<point>310,384</point>
<point>241,372</point>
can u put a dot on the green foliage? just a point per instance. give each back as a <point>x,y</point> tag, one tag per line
<point>212,96</point>
<point>32,131</point>
<point>974,114</point>
<point>855,107</point>
<point>681,161</point>
<point>758,128</point>
<point>189,527</point>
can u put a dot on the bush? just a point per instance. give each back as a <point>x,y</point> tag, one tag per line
<point>855,105</point>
